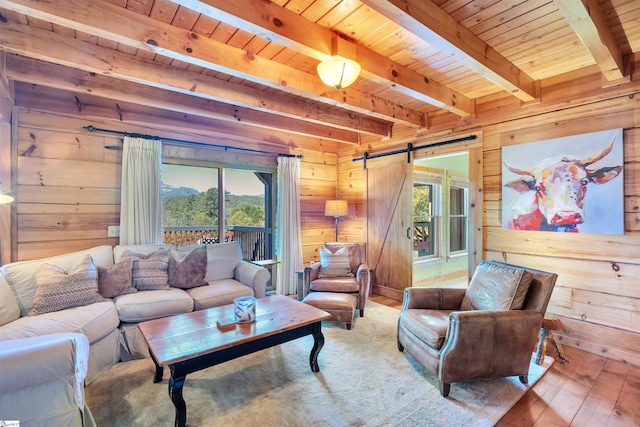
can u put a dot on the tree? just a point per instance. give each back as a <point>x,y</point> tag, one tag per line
<point>202,219</point>
<point>252,216</point>
<point>202,209</point>
<point>209,203</point>
<point>239,218</point>
<point>422,200</point>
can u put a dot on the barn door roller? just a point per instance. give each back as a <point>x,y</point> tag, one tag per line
<point>410,148</point>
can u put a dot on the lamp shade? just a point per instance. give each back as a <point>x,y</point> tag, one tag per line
<point>338,72</point>
<point>5,198</point>
<point>336,208</point>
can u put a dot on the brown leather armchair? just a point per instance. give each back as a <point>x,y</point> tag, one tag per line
<point>479,332</point>
<point>357,280</point>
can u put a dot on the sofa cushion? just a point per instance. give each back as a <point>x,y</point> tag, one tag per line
<point>222,260</point>
<point>150,271</point>
<point>146,249</point>
<point>429,326</point>
<point>57,289</point>
<point>142,306</point>
<point>21,275</point>
<point>334,264</point>
<point>335,284</point>
<point>188,268</point>
<point>217,293</point>
<point>497,287</point>
<point>96,321</point>
<point>117,279</point>
<point>9,308</point>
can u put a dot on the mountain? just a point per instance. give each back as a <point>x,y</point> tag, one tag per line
<point>172,191</point>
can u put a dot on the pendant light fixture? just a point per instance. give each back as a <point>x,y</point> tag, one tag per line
<point>5,197</point>
<point>339,71</point>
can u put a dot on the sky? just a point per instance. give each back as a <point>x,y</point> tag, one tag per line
<point>239,182</point>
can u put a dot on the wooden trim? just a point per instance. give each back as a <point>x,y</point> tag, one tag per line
<point>5,183</point>
<point>395,294</point>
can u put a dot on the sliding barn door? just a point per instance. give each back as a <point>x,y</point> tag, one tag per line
<point>389,187</point>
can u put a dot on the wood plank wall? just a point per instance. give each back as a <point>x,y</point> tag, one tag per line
<point>318,175</point>
<point>597,295</point>
<point>68,185</point>
<point>68,182</point>
<point>6,183</point>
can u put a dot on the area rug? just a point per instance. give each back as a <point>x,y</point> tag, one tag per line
<point>363,381</point>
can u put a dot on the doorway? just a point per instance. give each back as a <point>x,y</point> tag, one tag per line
<point>440,209</point>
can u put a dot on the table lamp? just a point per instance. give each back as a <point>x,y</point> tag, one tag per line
<point>336,209</point>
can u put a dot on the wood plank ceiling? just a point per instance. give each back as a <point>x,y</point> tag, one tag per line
<point>253,61</point>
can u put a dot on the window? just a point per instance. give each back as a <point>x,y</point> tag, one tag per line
<point>189,196</point>
<point>440,213</point>
<point>427,189</point>
<point>194,211</point>
<point>458,214</point>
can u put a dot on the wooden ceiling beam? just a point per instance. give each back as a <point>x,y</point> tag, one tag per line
<point>46,46</point>
<point>114,23</point>
<point>436,27</point>
<point>28,70</point>
<point>589,23</point>
<point>291,30</point>
<point>92,107</point>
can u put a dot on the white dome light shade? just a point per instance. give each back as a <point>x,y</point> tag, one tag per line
<point>338,72</point>
<point>5,198</point>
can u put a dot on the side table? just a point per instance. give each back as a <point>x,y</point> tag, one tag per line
<point>300,284</point>
<point>546,335</point>
<point>268,264</point>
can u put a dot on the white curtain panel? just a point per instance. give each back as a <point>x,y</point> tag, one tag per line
<point>288,241</point>
<point>140,204</point>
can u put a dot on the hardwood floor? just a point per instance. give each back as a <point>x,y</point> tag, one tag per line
<point>591,390</point>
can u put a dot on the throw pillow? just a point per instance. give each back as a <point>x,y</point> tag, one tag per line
<point>497,287</point>
<point>117,279</point>
<point>188,272</point>
<point>334,264</point>
<point>149,272</point>
<point>354,253</point>
<point>57,289</point>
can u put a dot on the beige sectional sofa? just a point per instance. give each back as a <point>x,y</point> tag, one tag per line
<point>110,326</point>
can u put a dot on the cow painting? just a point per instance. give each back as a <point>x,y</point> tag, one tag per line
<point>552,195</point>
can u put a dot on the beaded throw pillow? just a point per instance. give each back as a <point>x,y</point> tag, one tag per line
<point>150,272</point>
<point>334,264</point>
<point>58,290</point>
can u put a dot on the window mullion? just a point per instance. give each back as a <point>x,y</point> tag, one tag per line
<point>221,206</point>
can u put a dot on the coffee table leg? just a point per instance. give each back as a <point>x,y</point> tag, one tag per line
<point>318,342</point>
<point>175,393</point>
<point>157,377</point>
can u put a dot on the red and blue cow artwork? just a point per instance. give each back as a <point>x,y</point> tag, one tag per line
<point>551,193</point>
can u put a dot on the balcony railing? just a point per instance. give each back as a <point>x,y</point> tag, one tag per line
<point>254,241</point>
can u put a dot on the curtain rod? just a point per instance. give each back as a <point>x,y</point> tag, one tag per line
<point>409,149</point>
<point>91,128</point>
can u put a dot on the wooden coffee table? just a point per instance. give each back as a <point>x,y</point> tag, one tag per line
<point>191,342</point>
